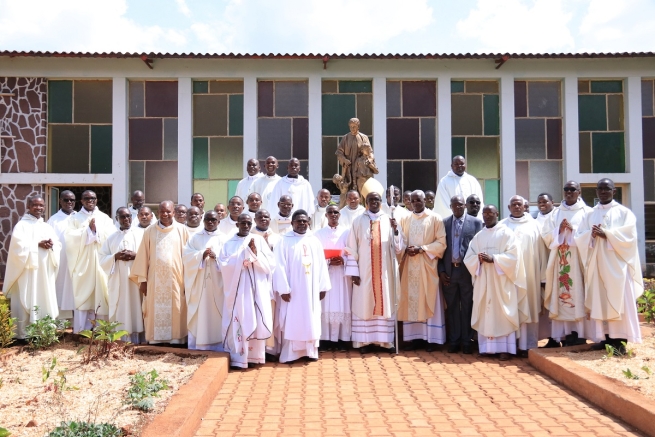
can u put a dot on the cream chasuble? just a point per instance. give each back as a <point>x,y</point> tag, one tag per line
<point>83,253</point>
<point>300,191</point>
<point>124,296</point>
<point>64,284</point>
<point>613,279</point>
<point>271,237</point>
<point>31,272</point>
<point>247,318</point>
<point>203,289</point>
<point>263,186</point>
<point>451,185</point>
<point>159,263</point>
<point>280,225</point>
<point>348,215</point>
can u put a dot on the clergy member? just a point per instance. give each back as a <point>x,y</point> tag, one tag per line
<point>247,264</point>
<point>373,243</point>
<point>180,214</point>
<point>197,199</point>
<point>473,204</point>
<point>352,209</point>
<point>228,226</point>
<point>158,269</point>
<point>393,204</point>
<point>420,304</point>
<point>221,210</point>
<point>32,263</point>
<point>457,181</point>
<point>262,228</point>
<point>203,286</point>
<point>145,218</point>
<point>244,187</point>
<point>116,258</point>
<point>493,260</point>
<point>194,220</point>
<point>319,220</point>
<point>138,201</point>
<point>64,284</point>
<point>564,295</point>
<point>301,279</point>
<point>254,202</point>
<point>429,199</point>
<point>265,184</point>
<point>545,205</point>
<point>281,222</point>
<point>87,232</point>
<point>608,245</point>
<point>533,259</point>
<point>296,186</point>
<point>336,316</point>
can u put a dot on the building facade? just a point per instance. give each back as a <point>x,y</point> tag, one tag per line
<point>171,125</point>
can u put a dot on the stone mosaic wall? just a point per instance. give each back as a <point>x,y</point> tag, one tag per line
<point>13,201</point>
<point>23,109</point>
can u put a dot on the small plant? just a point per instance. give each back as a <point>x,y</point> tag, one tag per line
<point>85,429</point>
<point>7,325</point>
<point>4,432</point>
<point>59,377</point>
<point>143,387</point>
<point>646,369</point>
<point>646,303</point>
<point>628,351</point>
<point>628,374</point>
<point>103,339</point>
<point>611,350</point>
<point>45,332</point>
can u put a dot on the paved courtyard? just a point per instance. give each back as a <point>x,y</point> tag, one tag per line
<point>414,393</point>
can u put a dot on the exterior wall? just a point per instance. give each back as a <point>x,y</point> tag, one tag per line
<point>301,108</point>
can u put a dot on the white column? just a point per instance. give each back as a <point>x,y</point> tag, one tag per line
<point>380,127</point>
<point>570,130</point>
<point>315,126</point>
<point>507,142</point>
<point>120,165</point>
<point>184,139</point>
<point>444,126</point>
<point>635,155</point>
<point>249,120</point>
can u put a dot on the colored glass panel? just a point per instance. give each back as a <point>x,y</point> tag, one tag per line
<point>483,157</point>
<point>420,175</point>
<point>291,99</point>
<point>614,112</point>
<point>137,99</point>
<point>393,99</point>
<point>137,176</point>
<point>648,135</point>
<point>161,181</point>
<point>226,87</point>
<point>200,87</point>
<point>419,98</point>
<point>592,113</point>
<point>330,163</point>
<point>161,98</point>
<point>458,146</point>
<point>523,179</point>
<point>301,138</point>
<point>466,113</point>
<point>60,101</point>
<point>214,191</point>
<point>329,87</point>
<point>649,180</point>
<point>608,152</point>
<point>101,146</point>
<point>491,114</point>
<point>606,86</point>
<point>544,99</point>
<point>68,150</point>
<point>403,138</point>
<point>646,98</point>
<point>395,173</point>
<point>200,158</point>
<point>274,138</point>
<point>482,86</point>
<point>209,115</point>
<point>355,86</point>
<point>491,189</point>
<point>428,138</point>
<point>232,188</point>
<point>337,109</point>
<point>530,137</point>
<point>365,113</point>
<point>146,138</point>
<point>583,86</point>
<point>225,158</point>
<point>584,140</point>
<point>170,139</point>
<point>545,177</point>
<point>265,98</point>
<point>236,115</point>
<point>93,101</point>
<point>456,86</point>
<point>554,138</point>
<point>520,99</point>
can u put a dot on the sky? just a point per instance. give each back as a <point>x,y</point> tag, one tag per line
<point>328,26</point>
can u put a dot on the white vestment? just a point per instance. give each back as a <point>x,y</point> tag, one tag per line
<point>533,260</point>
<point>542,218</point>
<point>398,211</point>
<point>228,227</point>
<point>271,237</point>
<point>203,289</point>
<point>248,318</point>
<point>300,191</point>
<point>613,278</point>
<point>302,272</point>
<point>280,225</point>
<point>336,316</point>
<point>545,323</point>
<point>319,221</point>
<point>64,284</point>
<point>31,272</point>
<point>125,299</point>
<point>244,187</point>
<point>193,231</point>
<point>564,293</point>
<point>372,249</point>
<point>451,185</point>
<point>348,215</point>
<point>263,186</point>
<point>272,344</point>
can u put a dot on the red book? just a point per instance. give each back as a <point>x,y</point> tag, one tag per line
<point>332,253</point>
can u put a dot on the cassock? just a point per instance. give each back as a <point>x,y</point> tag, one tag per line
<point>87,275</point>
<point>372,249</point>
<point>319,221</point>
<point>193,231</point>
<point>228,227</point>
<point>421,303</point>
<point>280,225</point>
<point>300,191</point>
<point>495,296</point>
<point>64,283</point>
<point>451,185</point>
<point>124,296</point>
<point>31,272</point>
<point>564,293</point>
<point>336,315</point>
<point>612,277</point>
<point>263,186</point>
<point>543,218</point>
<point>348,215</point>
<point>248,318</point>
<point>533,259</point>
<point>244,187</point>
<point>203,289</point>
<point>300,270</point>
<point>159,263</point>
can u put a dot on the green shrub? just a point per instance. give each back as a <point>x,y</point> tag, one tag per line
<point>45,332</point>
<point>84,429</point>
<point>4,432</point>
<point>646,303</point>
<point>103,338</point>
<point>143,387</point>
<point>7,325</point>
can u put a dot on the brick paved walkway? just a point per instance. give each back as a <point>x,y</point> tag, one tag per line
<point>415,393</point>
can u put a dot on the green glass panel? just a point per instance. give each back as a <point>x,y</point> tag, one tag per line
<point>458,146</point>
<point>492,192</point>
<point>236,115</point>
<point>60,101</point>
<point>355,86</point>
<point>456,86</point>
<point>615,112</point>
<point>606,86</point>
<point>330,163</point>
<point>491,103</point>
<point>231,188</point>
<point>608,152</point>
<point>483,157</point>
<point>226,158</point>
<point>200,87</point>
<point>337,109</point>
<point>101,149</point>
<point>592,113</point>
<point>200,158</point>
<point>213,191</point>
<point>137,176</point>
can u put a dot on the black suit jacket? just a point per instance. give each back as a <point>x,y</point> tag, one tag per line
<point>472,226</point>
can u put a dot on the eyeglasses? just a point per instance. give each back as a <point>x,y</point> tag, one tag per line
<point>68,200</point>
<point>570,189</point>
<point>90,198</point>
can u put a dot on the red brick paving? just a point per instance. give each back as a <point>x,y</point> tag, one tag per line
<point>411,394</point>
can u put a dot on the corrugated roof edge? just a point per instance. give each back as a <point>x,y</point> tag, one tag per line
<point>118,55</point>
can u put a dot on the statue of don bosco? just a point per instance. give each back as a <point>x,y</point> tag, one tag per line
<point>355,155</point>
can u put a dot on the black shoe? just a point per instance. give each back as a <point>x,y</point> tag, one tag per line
<point>392,350</point>
<point>467,349</point>
<point>341,346</point>
<point>411,346</point>
<point>522,354</point>
<point>311,359</point>
<point>453,348</point>
<point>599,346</point>
<point>552,343</point>
<point>366,349</point>
<point>432,347</point>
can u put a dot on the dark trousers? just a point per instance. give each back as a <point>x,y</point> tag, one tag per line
<point>459,304</point>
